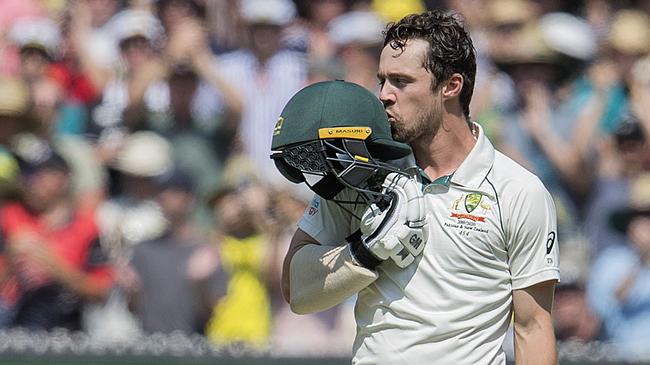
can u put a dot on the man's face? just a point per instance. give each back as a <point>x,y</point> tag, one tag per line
<point>136,51</point>
<point>265,39</point>
<point>414,110</point>
<point>46,187</point>
<point>176,203</point>
<point>33,63</point>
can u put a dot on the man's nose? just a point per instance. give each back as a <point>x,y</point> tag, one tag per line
<point>386,96</point>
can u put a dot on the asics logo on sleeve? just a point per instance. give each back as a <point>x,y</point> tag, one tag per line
<point>550,241</point>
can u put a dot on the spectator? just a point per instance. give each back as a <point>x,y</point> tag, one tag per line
<point>125,220</point>
<point>506,19</point>
<point>12,10</point>
<point>17,118</point>
<point>133,216</point>
<point>176,265</point>
<point>174,94</point>
<point>187,51</point>
<point>539,131</point>
<point>624,156</point>
<point>54,260</point>
<point>602,88</point>
<point>139,36</point>
<point>573,318</point>
<point>358,39</point>
<point>492,24</point>
<point>265,76</point>
<point>88,56</point>
<point>38,40</point>
<point>309,34</point>
<point>618,289</point>
<point>246,246</point>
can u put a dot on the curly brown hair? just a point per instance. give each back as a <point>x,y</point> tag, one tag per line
<point>450,47</point>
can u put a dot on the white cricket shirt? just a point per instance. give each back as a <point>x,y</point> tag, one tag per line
<point>492,229</point>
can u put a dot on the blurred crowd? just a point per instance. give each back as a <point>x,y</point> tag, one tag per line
<point>137,194</point>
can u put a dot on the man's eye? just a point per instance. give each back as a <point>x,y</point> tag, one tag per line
<point>400,82</point>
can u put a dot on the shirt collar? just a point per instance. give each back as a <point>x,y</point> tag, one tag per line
<point>409,165</point>
<point>473,170</point>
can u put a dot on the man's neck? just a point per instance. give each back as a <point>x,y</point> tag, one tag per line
<point>444,152</point>
<point>263,57</point>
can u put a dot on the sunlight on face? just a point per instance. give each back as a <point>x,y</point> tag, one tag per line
<point>413,109</point>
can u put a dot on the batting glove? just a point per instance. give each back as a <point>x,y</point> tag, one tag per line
<point>399,231</point>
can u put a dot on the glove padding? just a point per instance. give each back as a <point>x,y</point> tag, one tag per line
<point>400,231</point>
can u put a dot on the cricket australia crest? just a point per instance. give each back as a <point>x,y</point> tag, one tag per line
<point>472,201</point>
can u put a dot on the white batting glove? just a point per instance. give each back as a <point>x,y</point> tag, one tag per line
<point>400,231</point>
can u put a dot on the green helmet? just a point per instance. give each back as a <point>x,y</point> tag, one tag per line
<point>339,131</point>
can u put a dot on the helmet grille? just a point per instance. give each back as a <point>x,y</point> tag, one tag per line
<point>306,157</point>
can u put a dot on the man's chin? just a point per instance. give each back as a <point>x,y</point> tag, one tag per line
<point>400,138</point>
<point>395,133</point>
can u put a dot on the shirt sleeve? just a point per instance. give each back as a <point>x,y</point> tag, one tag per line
<point>329,222</point>
<point>532,242</point>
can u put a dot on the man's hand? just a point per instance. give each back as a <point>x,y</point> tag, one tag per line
<point>398,232</point>
<point>31,256</point>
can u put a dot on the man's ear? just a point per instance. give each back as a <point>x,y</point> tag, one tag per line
<point>453,86</point>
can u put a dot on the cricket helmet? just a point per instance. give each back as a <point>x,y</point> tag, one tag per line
<point>337,132</point>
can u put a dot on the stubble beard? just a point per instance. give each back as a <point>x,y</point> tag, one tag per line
<point>425,124</point>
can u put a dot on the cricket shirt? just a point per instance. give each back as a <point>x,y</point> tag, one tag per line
<point>492,230</point>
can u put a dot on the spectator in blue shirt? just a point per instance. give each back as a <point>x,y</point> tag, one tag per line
<point>619,286</point>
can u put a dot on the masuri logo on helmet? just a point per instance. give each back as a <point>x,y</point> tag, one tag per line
<point>337,131</point>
